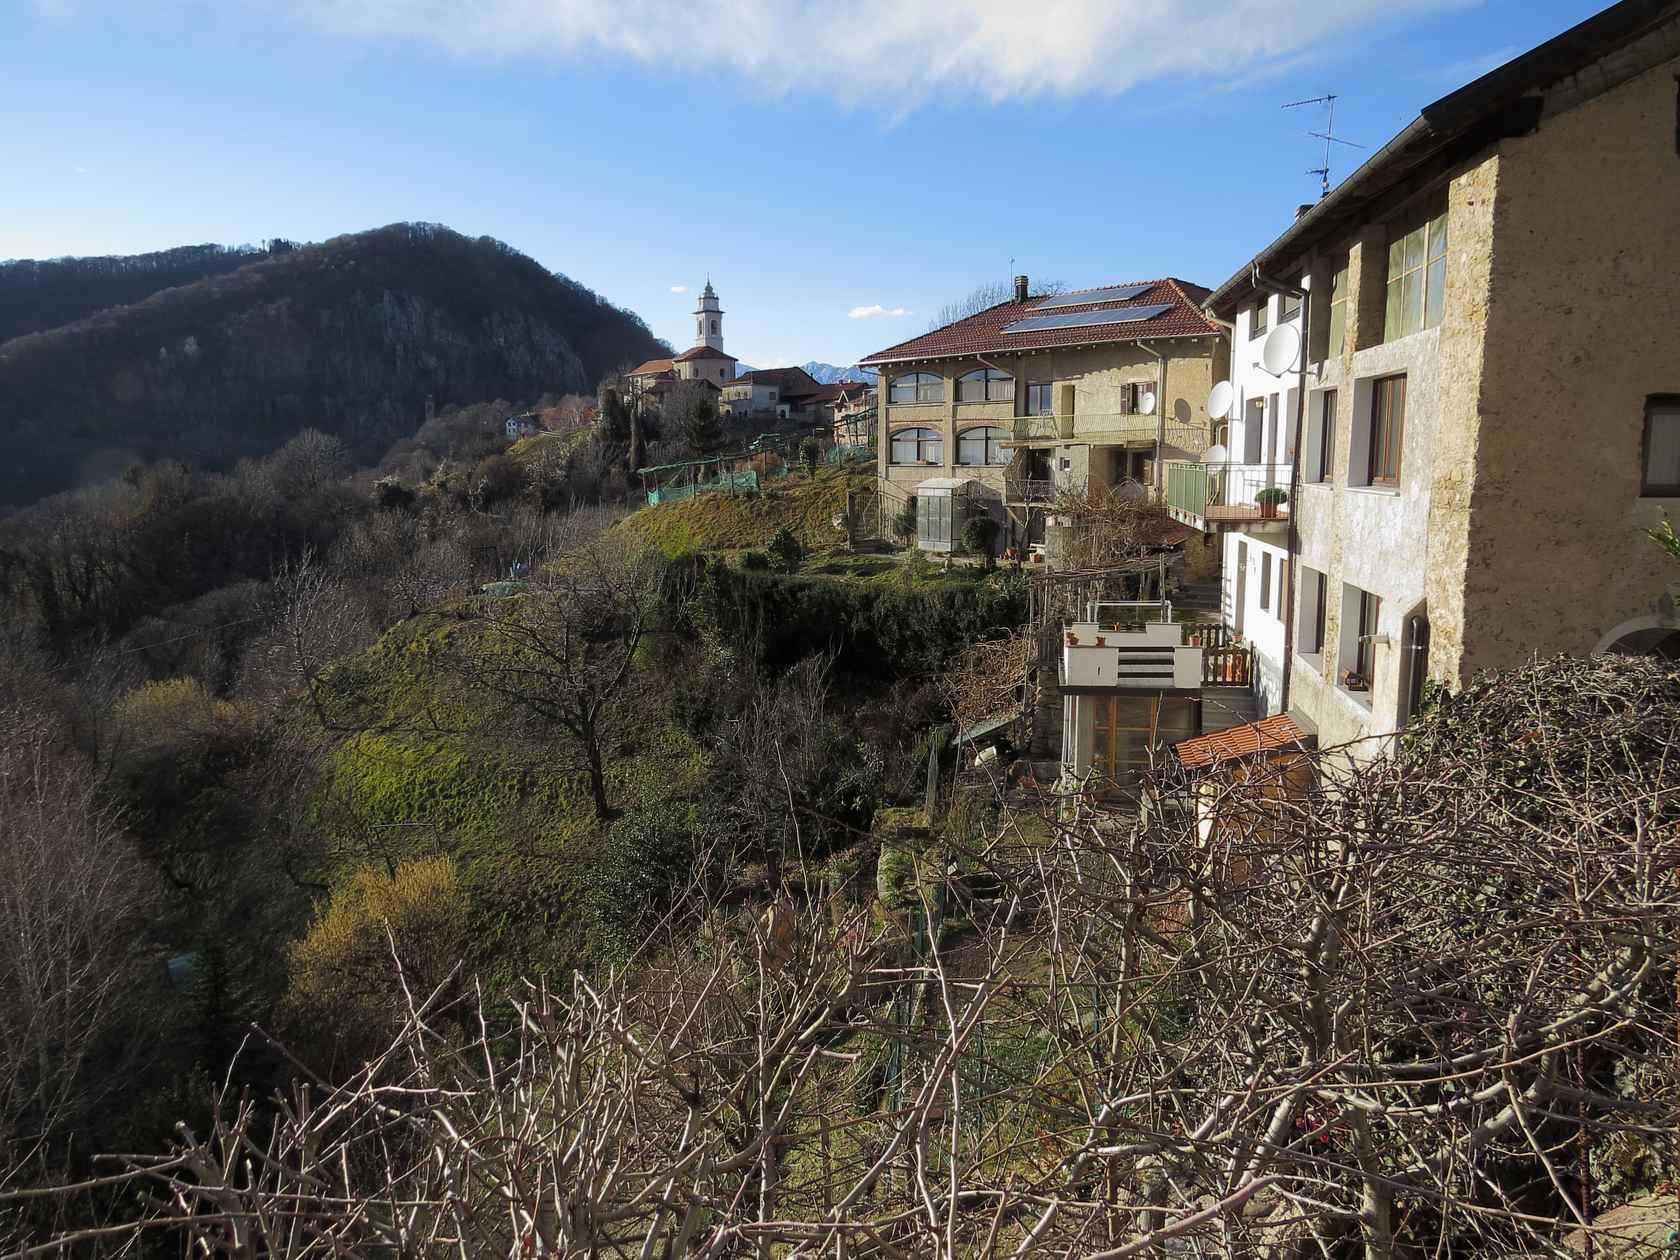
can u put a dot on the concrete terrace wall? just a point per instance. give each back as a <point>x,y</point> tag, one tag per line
<point>1583,322</point>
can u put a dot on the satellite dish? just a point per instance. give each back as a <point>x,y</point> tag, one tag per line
<point>1146,403</point>
<point>1282,346</point>
<point>1220,400</point>
<point>1215,454</point>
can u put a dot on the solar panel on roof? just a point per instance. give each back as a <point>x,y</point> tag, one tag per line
<point>1085,319</point>
<point>1117,293</point>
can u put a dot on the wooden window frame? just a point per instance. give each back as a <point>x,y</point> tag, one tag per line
<point>1265,581</point>
<point>1329,401</point>
<point>1289,306</point>
<point>1320,611</point>
<point>1388,432</point>
<point>1430,271</point>
<point>1668,406</point>
<point>1259,322</point>
<point>1049,408</point>
<point>1364,650</point>
<point>1336,327</point>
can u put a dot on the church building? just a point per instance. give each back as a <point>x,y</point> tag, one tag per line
<point>705,361</point>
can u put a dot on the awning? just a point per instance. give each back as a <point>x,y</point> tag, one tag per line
<point>1277,733</point>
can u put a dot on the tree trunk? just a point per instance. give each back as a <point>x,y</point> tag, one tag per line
<point>597,778</point>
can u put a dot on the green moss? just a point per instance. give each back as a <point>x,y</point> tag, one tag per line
<point>805,505</point>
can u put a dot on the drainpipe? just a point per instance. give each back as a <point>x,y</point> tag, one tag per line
<point>1293,544</point>
<point>1014,404</point>
<point>1160,410</point>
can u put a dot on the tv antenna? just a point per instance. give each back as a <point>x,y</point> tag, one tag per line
<point>1328,135</point>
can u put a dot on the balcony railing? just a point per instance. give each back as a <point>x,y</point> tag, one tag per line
<point>1210,495</point>
<point>1029,490</point>
<point>1108,428</point>
<point>1043,428</point>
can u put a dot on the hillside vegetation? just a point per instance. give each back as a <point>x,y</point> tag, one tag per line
<point>350,337</point>
<point>720,521</point>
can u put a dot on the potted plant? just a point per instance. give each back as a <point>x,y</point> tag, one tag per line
<point>1269,498</point>
<point>1072,639</point>
<point>1102,641</point>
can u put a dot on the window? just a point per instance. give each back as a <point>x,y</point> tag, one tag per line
<point>1311,618</point>
<point>1134,395</point>
<point>1265,581</point>
<point>1125,727</point>
<point>1660,477</point>
<point>982,446</point>
<point>1388,429</point>
<point>1321,452</point>
<point>985,385</point>
<point>1039,401</point>
<point>1289,306</point>
<point>1417,278</point>
<point>1356,657</point>
<point>1364,656</point>
<point>918,446</point>
<point>714,328</point>
<point>1338,309</point>
<point>918,387</point>
<point>1257,320</point>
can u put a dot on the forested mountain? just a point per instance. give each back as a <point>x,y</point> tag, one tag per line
<point>349,336</point>
<point>38,294</point>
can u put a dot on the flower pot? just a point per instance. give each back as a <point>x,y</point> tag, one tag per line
<point>1101,641</point>
<point>1268,509</point>
<point>1073,640</point>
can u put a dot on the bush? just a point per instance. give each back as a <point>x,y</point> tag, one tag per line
<point>980,535</point>
<point>344,995</point>
<point>904,523</point>
<point>646,859</point>
<point>756,562</point>
<point>810,455</point>
<point>389,493</point>
<point>786,551</point>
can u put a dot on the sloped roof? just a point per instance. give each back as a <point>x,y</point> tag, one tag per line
<point>703,352</point>
<point>982,333</point>
<point>1628,38</point>
<point>792,381</point>
<point>1277,732</point>
<point>651,368</point>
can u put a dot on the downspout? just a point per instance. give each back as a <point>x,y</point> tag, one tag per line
<point>1160,411</point>
<point>1294,538</point>
<point>1015,402</point>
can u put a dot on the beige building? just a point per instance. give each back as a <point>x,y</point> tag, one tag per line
<point>1005,410</point>
<point>1490,383</point>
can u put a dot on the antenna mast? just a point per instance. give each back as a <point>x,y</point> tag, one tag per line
<point>1328,135</point>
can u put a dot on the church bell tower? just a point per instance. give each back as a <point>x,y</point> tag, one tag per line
<point>708,319</point>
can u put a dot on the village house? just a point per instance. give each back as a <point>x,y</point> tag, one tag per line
<point>781,393</point>
<point>1045,393</point>
<point>1478,329</point>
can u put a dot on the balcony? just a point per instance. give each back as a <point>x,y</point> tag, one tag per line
<point>1220,496</point>
<point>1105,428</point>
<point>1042,430</point>
<point>1032,491</point>
<point>1148,657</point>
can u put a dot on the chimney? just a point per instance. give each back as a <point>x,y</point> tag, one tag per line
<point>1301,210</point>
<point>1020,288</point>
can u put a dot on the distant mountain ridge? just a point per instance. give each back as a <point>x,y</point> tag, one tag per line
<point>351,336</point>
<point>831,374</point>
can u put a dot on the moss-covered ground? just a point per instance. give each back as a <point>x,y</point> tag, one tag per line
<point>804,503</point>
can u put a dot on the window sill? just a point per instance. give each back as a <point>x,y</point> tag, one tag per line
<point>1361,698</point>
<point>1662,494</point>
<point>982,402</point>
<point>938,402</point>
<point>1381,492</point>
<point>1318,485</point>
<point>1312,660</point>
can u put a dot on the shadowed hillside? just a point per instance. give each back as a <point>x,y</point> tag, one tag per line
<point>350,336</point>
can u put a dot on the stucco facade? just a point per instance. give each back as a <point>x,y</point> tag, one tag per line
<point>1515,524</point>
<point>1094,436</point>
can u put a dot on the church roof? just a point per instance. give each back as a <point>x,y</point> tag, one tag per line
<point>703,352</point>
<point>653,367</point>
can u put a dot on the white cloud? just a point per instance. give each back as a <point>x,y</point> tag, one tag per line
<point>679,288</point>
<point>875,310</point>
<point>886,53</point>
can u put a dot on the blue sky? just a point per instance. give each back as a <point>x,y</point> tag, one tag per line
<point>816,160</point>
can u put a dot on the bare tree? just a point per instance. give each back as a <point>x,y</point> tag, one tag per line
<point>556,658</point>
<point>73,903</point>
<point>986,295</point>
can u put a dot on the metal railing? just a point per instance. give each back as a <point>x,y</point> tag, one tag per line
<point>1108,426</point>
<point>1029,490</point>
<point>1227,492</point>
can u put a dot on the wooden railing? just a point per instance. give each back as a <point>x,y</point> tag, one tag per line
<point>1229,666</point>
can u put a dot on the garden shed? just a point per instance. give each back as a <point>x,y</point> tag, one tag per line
<point>943,506</point>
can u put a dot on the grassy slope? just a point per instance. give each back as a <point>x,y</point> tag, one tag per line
<point>516,820</point>
<point>717,521</point>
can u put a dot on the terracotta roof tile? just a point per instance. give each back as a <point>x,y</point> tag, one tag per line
<point>982,333</point>
<point>1278,731</point>
<point>703,352</point>
<point>651,368</point>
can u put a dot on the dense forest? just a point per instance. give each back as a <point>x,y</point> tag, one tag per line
<point>349,337</point>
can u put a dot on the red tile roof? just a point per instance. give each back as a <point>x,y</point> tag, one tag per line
<point>703,352</point>
<point>1279,731</point>
<point>793,382</point>
<point>651,368</point>
<point>983,333</point>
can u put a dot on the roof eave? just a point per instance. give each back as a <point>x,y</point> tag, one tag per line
<point>874,360</point>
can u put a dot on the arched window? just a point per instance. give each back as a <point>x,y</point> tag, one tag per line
<point>714,328</point>
<point>918,387</point>
<point>917,446</point>
<point>982,446</point>
<point>985,385</point>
